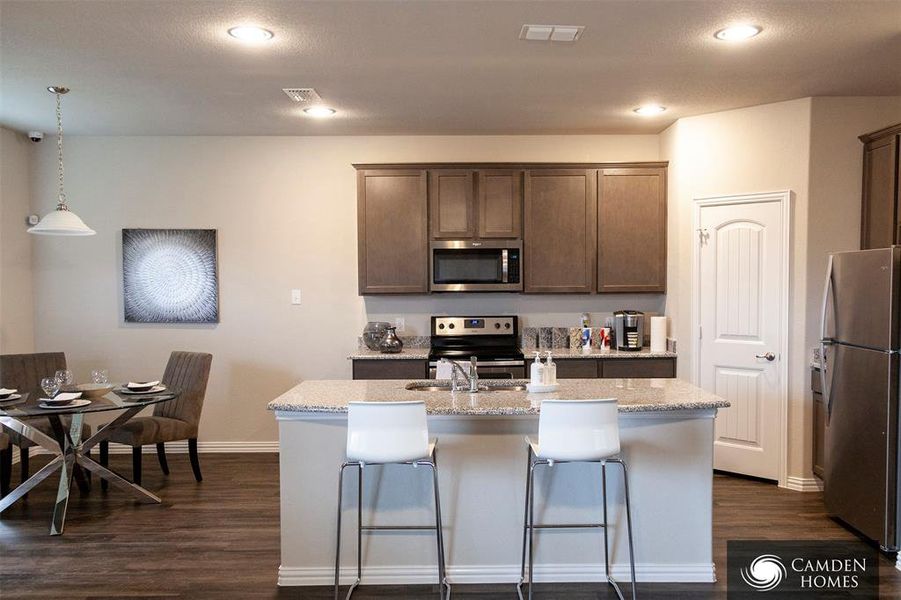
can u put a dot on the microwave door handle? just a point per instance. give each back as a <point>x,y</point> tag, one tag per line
<point>505,268</point>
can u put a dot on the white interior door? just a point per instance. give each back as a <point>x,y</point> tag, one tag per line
<point>740,278</point>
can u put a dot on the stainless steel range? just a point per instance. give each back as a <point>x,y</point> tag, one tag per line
<point>494,341</point>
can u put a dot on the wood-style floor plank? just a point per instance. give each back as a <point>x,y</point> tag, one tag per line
<point>220,539</point>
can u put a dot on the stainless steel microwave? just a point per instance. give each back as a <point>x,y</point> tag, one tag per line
<point>475,266</point>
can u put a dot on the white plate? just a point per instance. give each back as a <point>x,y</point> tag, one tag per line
<point>133,384</point>
<point>61,397</point>
<point>12,397</point>
<point>542,388</point>
<point>73,404</point>
<point>154,390</point>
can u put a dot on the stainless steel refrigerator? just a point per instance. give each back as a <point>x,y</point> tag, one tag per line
<point>860,379</point>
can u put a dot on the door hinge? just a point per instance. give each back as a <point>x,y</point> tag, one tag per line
<point>700,332</point>
<point>702,235</point>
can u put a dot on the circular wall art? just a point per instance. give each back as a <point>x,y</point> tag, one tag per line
<point>170,276</point>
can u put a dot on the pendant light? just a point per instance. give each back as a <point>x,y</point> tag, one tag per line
<point>61,221</point>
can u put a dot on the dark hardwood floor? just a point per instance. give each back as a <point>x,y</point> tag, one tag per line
<point>220,539</point>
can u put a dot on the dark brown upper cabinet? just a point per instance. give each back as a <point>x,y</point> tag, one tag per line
<point>560,221</point>
<point>880,225</point>
<point>500,204</point>
<point>632,230</point>
<point>451,204</point>
<point>392,231</point>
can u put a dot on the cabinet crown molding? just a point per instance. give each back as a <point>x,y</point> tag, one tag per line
<point>511,165</point>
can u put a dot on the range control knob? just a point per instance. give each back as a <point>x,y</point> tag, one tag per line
<point>507,325</point>
<point>497,325</point>
<point>451,326</point>
<point>441,326</point>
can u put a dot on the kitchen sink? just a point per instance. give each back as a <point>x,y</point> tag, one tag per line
<point>445,387</point>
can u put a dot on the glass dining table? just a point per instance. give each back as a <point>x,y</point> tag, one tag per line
<point>68,447</point>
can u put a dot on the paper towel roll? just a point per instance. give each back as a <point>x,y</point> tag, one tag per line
<point>658,334</point>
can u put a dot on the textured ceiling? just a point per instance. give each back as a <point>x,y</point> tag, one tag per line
<point>428,67</point>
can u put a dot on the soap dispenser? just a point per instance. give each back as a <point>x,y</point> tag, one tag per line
<point>538,370</point>
<point>550,372</point>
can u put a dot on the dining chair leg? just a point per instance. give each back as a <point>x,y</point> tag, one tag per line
<point>136,465</point>
<point>6,467</point>
<point>195,461</point>
<point>161,455</point>
<point>104,461</point>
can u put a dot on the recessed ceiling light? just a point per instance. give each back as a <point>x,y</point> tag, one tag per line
<point>736,33</point>
<point>249,33</point>
<point>647,110</point>
<point>320,112</point>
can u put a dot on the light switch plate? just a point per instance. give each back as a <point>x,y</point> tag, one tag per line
<point>295,296</point>
<point>399,324</point>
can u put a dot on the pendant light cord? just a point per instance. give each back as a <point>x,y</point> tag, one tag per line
<point>59,152</point>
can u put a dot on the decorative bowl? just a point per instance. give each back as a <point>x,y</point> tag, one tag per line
<point>94,390</point>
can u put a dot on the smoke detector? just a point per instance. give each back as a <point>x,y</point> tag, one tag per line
<point>303,95</point>
<point>551,33</point>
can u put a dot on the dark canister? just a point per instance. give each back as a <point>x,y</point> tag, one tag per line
<point>391,344</point>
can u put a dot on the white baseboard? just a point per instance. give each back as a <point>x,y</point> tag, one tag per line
<point>181,448</point>
<point>898,561</point>
<point>804,484</point>
<point>466,574</point>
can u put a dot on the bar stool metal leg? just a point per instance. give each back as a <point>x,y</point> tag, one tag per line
<point>525,523</point>
<point>442,566</point>
<point>606,529</point>
<point>338,539</point>
<point>628,521</point>
<point>532,525</point>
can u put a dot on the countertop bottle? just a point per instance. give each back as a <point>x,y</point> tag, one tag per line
<point>550,370</point>
<point>538,370</point>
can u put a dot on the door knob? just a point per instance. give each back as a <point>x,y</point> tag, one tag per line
<point>769,356</point>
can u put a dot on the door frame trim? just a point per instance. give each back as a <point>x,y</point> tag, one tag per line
<point>784,198</point>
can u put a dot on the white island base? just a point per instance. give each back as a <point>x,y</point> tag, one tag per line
<point>482,471</point>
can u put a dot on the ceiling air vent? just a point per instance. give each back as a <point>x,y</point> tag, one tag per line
<point>551,33</point>
<point>304,95</point>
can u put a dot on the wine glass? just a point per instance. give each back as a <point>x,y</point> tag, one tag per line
<point>100,376</point>
<point>64,377</point>
<point>50,385</point>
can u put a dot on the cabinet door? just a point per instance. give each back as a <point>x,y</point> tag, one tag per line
<point>390,369</point>
<point>392,232</point>
<point>577,368</point>
<point>500,204</point>
<point>638,368</point>
<point>559,217</point>
<point>451,204</point>
<point>632,230</point>
<point>879,215</point>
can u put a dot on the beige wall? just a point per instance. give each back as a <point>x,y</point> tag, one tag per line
<point>758,149</point>
<point>285,208</point>
<point>16,300</point>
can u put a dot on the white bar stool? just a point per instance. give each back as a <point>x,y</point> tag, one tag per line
<point>574,431</point>
<point>383,433</point>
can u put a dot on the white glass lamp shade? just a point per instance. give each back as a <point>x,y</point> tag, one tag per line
<point>61,222</point>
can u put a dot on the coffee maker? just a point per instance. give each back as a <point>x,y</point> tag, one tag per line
<point>629,329</point>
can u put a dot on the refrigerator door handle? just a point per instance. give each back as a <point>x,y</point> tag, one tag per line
<point>824,341</point>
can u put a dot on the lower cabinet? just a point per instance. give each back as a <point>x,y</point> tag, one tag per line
<point>638,368</point>
<point>390,369</point>
<point>615,368</point>
<point>819,424</point>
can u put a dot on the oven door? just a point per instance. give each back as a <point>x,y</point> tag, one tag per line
<point>492,369</point>
<point>475,266</point>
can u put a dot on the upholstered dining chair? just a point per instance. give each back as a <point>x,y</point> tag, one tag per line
<point>6,463</point>
<point>186,373</point>
<point>24,373</point>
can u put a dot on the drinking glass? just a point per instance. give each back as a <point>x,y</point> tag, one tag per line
<point>100,376</point>
<point>65,377</point>
<point>50,385</point>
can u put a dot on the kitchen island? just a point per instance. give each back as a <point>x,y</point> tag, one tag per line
<point>667,436</point>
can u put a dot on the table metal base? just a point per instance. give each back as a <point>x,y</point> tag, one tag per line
<point>70,450</point>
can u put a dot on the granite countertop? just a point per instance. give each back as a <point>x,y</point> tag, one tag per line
<point>633,395</point>
<point>561,353</point>
<point>565,353</point>
<point>405,354</point>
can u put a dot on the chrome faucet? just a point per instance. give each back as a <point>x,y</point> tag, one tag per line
<point>472,378</point>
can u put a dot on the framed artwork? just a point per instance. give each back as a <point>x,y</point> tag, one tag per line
<point>170,276</point>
